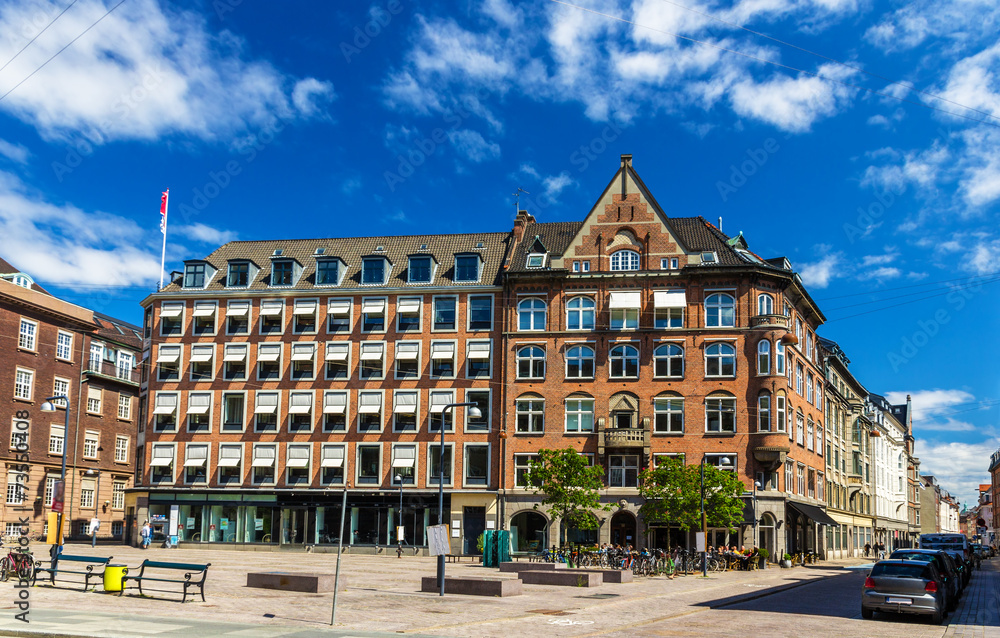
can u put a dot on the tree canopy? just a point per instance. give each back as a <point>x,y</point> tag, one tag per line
<point>570,487</point>
<point>672,493</point>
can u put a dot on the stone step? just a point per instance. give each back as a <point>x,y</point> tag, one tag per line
<point>474,586</point>
<point>562,577</point>
<point>525,567</point>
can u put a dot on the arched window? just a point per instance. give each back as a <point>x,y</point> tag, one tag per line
<point>720,310</point>
<point>530,411</point>
<point>779,358</point>
<point>668,410</point>
<point>579,413</point>
<point>531,314</point>
<point>765,305</point>
<point>810,433</point>
<point>668,361</point>
<point>580,314</point>
<point>624,362</point>
<point>720,413</point>
<point>800,427</point>
<point>764,412</point>
<point>764,357</point>
<point>625,260</point>
<point>780,412</point>
<point>720,360</point>
<point>580,362</point>
<point>531,363</point>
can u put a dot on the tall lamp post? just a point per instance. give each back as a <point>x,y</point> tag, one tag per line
<point>399,523</point>
<point>756,542</point>
<point>723,463</point>
<point>48,406</point>
<point>473,413</point>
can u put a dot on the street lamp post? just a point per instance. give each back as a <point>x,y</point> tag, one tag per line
<point>48,406</point>
<point>724,462</point>
<point>756,541</point>
<point>475,414</point>
<point>399,523</point>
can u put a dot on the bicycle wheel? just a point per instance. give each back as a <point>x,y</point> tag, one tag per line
<point>5,568</point>
<point>26,568</point>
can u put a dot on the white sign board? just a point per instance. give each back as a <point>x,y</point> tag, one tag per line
<point>437,540</point>
<point>400,533</point>
<point>174,516</point>
<point>699,541</point>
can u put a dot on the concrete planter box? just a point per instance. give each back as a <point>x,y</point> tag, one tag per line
<point>497,587</point>
<point>563,578</point>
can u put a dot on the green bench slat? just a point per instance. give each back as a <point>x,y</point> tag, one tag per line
<point>191,567</point>
<point>85,559</point>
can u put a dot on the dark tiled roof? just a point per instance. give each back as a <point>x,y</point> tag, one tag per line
<point>555,236</point>
<point>699,235</point>
<point>7,268</point>
<point>351,250</point>
<point>114,330</point>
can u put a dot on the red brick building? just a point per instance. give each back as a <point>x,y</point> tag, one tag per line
<point>50,348</point>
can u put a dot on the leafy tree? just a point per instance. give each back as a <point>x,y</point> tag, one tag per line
<point>570,487</point>
<point>673,495</point>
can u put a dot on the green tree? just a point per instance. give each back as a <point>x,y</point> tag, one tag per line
<point>673,495</point>
<point>570,487</point>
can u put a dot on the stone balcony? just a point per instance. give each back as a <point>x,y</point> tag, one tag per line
<point>624,438</point>
<point>769,321</point>
<point>770,449</point>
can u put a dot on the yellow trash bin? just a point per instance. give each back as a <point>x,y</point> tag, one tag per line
<point>113,577</point>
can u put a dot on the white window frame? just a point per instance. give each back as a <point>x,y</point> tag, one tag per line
<point>634,260</point>
<point>303,304</point>
<point>408,481</point>
<point>335,307</point>
<point>386,270</point>
<point>124,406</point>
<point>197,409</point>
<point>337,347</point>
<point>292,464</point>
<point>475,346</point>
<point>479,268</point>
<point>577,306</point>
<point>27,335</point>
<point>433,319</point>
<point>24,383</point>
<point>721,357</point>
<point>440,397</point>
<point>487,413</point>
<point>763,419</point>
<point>533,413</point>
<point>667,405</point>
<point>300,348</point>
<point>64,351</point>
<point>270,347</point>
<point>201,348</point>
<point>60,387</point>
<point>405,407</point>
<point>270,304</point>
<point>715,301</point>
<point>121,448</point>
<point>222,462</point>
<point>357,465</point>
<point>670,358</point>
<point>578,412</point>
<point>274,463</point>
<point>57,439</point>
<point>721,409</point>
<point>95,400</point>
<point>365,408</point>
<point>343,462</point>
<point>188,448</point>
<point>224,412</point>
<point>205,309</point>
<point>532,359</point>
<point>404,307</point>
<point>623,358</point>
<point>765,304</point>
<point>231,357</point>
<point>443,346</point>
<point>163,351</point>
<point>369,306</point>
<point>346,394</point>
<point>297,409</point>
<point>592,358</point>
<point>432,479</point>
<point>468,311</point>
<point>168,309</point>
<point>522,463</point>
<point>531,311</point>
<point>403,350</point>
<point>175,411</point>
<point>238,304</point>
<point>277,410</point>
<point>172,465</point>
<point>367,348</point>
<point>466,448</point>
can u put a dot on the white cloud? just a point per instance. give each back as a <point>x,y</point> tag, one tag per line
<point>985,257</point>
<point>554,184</point>
<point>529,170</point>
<point>928,403</point>
<point>14,152</point>
<point>958,24</point>
<point>879,260</point>
<point>203,233</point>
<point>881,274</point>
<point>792,104</point>
<point>472,145</point>
<point>818,274</point>
<point>143,72</point>
<point>958,466</point>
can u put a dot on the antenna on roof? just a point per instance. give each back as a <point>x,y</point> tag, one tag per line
<point>517,199</point>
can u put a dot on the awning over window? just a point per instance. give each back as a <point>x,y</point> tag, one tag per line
<point>201,354</point>
<point>269,352</point>
<point>333,456</point>
<point>199,403</point>
<point>197,455</point>
<point>165,404</point>
<point>263,457</point>
<point>298,456</point>
<point>335,403</point>
<point>235,353</point>
<point>339,307</point>
<point>204,309</point>
<point>407,350</point>
<point>439,400</point>
<point>303,351</point>
<point>171,309</point>
<point>371,351</point>
<point>238,308</point>
<point>168,354</point>
<point>669,299</point>
<point>266,403</point>
<point>812,512</point>
<point>373,305</point>
<point>304,307</point>
<point>626,299</point>
<point>162,456</point>
<point>300,403</point>
<point>403,456</point>
<point>271,308</point>
<point>229,456</point>
<point>408,305</point>
<point>405,403</point>
<point>370,403</point>
<point>338,351</point>
<point>442,350</point>
<point>479,350</point>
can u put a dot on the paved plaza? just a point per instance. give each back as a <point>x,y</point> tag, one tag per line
<point>382,597</point>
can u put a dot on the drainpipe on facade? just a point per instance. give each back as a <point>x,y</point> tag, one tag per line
<point>68,533</point>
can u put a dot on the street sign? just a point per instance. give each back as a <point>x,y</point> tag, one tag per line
<point>58,492</point>
<point>699,541</point>
<point>437,540</point>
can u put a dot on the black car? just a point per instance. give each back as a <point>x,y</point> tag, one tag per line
<point>945,565</point>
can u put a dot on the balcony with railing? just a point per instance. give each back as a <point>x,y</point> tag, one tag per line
<point>636,438</point>
<point>110,370</point>
<point>769,321</point>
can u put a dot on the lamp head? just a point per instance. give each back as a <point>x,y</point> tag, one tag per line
<point>475,413</point>
<point>48,407</point>
<point>399,478</point>
<point>756,484</point>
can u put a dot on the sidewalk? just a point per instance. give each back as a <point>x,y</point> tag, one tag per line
<point>382,595</point>
<point>978,615</point>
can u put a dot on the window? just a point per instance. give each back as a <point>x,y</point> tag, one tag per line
<point>121,449</point>
<point>370,411</point>
<point>763,357</point>
<point>161,464</point>
<point>327,272</point>
<point>580,362</point>
<point>809,345</point>
<point>442,359</point>
<point>531,314</point>
<point>444,313</point>
<point>57,438</point>
<point>338,360</point>
<point>764,412</point>
<point>202,362</point>
<point>531,363</point>
<point>407,360</point>
<point>126,363</point>
<point>404,464</point>
<point>334,411</point>
<point>466,267</point>
<point>230,459</point>
<point>419,270</point>
<point>369,464</point>
<point>798,378</point>
<point>668,361</point>
<point>297,463</point>
<point>623,470</point>
<point>23,384</point>
<point>404,410</point>
<point>408,314</point>
<point>809,387</point>
<point>799,429</point>
<point>800,482</point>
<point>194,275</point>
<point>234,361</point>
<point>480,312</point>
<point>373,315</point>
<point>16,490</point>
<point>477,360</point>
<point>124,407</point>
<point>720,360</point>
<point>238,318</point>
<point>268,361</point>
<point>64,346</point>
<point>300,411</point>
<point>624,362</point>
<point>798,330</point>
<point>263,463</point>
<point>97,356</point>
<point>338,316</point>
<point>789,469</point>
<point>530,415</point>
<point>725,462</point>
<point>303,361</point>
<point>810,432</point>
<point>438,417</point>
<point>171,318</point>
<point>669,415</point>
<point>720,310</point>
<point>195,463</point>
<point>199,412</point>
<point>281,272</point>
<point>477,464</point>
<point>332,464</point>
<point>203,322</point>
<point>720,415</point>
<point>19,439</point>
<point>576,266</point>
<point>373,271</point>
<point>233,411</point>
<point>779,358</point>
<point>165,412</point>
<point>60,388</point>
<point>668,308</point>
<point>580,314</point>
<point>168,363</point>
<point>372,360</point>
<point>522,464</point>
<point>664,263</point>
<point>765,305</point>
<point>482,400</point>
<point>86,495</point>
<point>304,316</point>
<point>266,412</point>
<point>624,318</point>
<point>580,415</point>
<point>625,260</point>
<point>272,316</point>
<point>436,464</point>
<point>95,397</point>
<point>239,274</point>
<point>535,260</point>
<point>50,490</point>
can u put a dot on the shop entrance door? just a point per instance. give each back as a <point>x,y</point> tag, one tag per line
<point>297,525</point>
<point>474,522</point>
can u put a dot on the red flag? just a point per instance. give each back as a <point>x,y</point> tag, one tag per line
<point>163,211</point>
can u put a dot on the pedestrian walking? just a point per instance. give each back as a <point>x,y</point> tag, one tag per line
<point>868,549</point>
<point>95,526</point>
<point>146,533</point>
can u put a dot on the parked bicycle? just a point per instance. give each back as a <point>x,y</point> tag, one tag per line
<point>18,562</point>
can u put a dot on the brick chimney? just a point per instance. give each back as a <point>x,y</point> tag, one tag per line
<point>520,223</point>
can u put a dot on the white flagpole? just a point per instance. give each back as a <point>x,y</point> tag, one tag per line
<point>163,254</point>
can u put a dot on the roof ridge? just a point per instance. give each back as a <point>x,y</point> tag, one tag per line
<point>261,241</point>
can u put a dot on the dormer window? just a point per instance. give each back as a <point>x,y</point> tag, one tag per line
<point>419,271</point>
<point>281,272</point>
<point>327,272</point>
<point>194,275</point>
<point>373,271</point>
<point>536,260</point>
<point>709,257</point>
<point>466,267</point>
<point>21,280</point>
<point>625,260</point>
<point>239,275</point>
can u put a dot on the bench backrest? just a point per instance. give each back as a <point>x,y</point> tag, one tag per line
<point>188,567</point>
<point>86,559</point>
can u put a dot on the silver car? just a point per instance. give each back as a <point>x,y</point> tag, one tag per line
<point>903,586</point>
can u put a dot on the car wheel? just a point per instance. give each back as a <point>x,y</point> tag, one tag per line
<point>866,613</point>
<point>937,617</point>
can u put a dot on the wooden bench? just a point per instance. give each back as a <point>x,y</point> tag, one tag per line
<point>457,558</point>
<point>192,569</point>
<point>57,567</point>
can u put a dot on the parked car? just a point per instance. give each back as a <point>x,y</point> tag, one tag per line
<point>957,546</point>
<point>904,586</point>
<point>945,565</point>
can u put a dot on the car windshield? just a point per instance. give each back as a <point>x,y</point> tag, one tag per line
<point>896,570</point>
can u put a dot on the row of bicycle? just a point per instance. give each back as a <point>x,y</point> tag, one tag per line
<point>653,562</point>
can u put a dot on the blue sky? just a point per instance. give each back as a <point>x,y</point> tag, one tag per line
<point>859,139</point>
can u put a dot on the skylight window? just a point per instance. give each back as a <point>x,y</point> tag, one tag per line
<point>536,260</point>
